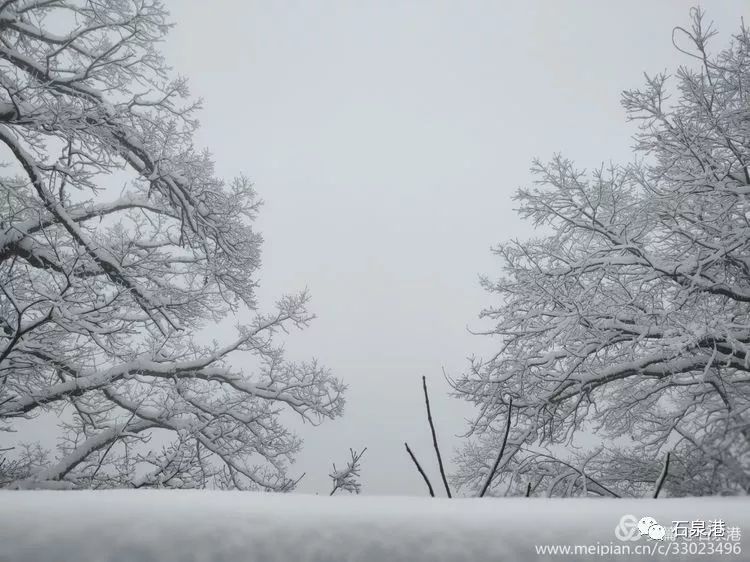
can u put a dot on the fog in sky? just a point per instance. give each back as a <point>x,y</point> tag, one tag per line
<point>387,140</point>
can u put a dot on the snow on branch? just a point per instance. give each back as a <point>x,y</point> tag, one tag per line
<point>347,478</point>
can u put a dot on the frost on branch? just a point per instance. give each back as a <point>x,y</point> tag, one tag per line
<point>347,478</point>
<point>117,243</point>
<point>631,318</point>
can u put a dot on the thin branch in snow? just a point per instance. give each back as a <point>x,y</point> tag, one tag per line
<point>434,437</point>
<point>662,477</point>
<point>491,474</point>
<point>419,468</point>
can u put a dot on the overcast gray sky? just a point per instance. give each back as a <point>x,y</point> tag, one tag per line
<point>387,139</point>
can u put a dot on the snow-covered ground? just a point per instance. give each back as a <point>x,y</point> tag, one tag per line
<point>139,526</point>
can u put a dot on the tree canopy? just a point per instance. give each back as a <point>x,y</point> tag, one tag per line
<point>118,242</point>
<point>630,319</point>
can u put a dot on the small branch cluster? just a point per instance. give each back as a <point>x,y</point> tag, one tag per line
<point>347,478</point>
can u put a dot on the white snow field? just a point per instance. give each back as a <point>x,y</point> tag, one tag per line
<point>185,526</point>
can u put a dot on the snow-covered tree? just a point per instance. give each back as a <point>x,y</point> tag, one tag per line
<point>629,317</point>
<point>118,243</point>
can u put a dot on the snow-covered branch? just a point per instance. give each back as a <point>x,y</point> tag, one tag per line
<point>347,478</point>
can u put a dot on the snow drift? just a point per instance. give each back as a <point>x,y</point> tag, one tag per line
<point>164,526</point>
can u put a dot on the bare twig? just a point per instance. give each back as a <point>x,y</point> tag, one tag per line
<point>419,468</point>
<point>491,475</point>
<point>292,484</point>
<point>434,438</point>
<point>662,477</point>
